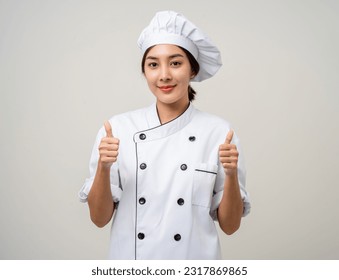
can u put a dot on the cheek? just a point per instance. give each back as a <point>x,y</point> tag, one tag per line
<point>184,80</point>
<point>151,82</point>
<point>150,77</point>
<point>185,75</point>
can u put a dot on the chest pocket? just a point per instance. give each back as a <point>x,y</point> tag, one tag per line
<point>203,184</point>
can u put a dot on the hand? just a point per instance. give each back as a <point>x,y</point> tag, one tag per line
<point>108,148</point>
<point>228,155</point>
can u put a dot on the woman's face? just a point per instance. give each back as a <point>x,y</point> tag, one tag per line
<point>168,73</point>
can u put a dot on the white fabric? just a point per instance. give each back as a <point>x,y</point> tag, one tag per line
<point>168,27</point>
<point>193,140</point>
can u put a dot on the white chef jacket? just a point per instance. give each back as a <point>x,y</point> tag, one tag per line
<point>167,184</point>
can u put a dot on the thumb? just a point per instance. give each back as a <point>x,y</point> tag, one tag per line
<point>229,137</point>
<point>108,129</point>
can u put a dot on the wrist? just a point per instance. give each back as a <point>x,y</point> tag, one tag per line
<point>104,168</point>
<point>231,172</point>
<point>231,175</point>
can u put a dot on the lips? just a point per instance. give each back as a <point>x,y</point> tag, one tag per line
<point>167,88</point>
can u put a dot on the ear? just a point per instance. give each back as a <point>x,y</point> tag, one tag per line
<point>193,74</point>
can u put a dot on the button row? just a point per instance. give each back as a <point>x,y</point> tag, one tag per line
<point>180,201</point>
<point>142,136</point>
<point>143,166</point>
<point>176,237</point>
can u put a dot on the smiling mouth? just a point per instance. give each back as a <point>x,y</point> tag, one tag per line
<point>166,88</point>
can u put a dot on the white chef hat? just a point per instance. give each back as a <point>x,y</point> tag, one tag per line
<point>168,27</point>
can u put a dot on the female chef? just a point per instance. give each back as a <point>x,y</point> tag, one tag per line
<point>168,172</point>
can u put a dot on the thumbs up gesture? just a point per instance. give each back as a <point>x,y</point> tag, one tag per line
<point>108,148</point>
<point>228,155</point>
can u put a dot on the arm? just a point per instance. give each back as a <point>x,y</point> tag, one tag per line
<point>231,206</point>
<point>100,199</point>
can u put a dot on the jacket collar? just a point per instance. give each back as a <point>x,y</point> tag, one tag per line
<point>156,130</point>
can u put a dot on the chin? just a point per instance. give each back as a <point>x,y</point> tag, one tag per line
<point>168,101</point>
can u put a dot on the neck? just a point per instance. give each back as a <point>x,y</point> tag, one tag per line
<point>168,112</point>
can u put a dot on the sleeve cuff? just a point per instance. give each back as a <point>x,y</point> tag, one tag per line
<point>246,203</point>
<point>217,199</point>
<point>84,191</point>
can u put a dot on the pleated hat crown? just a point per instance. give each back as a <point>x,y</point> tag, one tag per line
<point>168,27</point>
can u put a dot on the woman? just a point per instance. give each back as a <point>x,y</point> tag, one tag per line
<point>167,172</point>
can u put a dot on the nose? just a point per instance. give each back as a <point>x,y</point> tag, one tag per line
<point>165,74</point>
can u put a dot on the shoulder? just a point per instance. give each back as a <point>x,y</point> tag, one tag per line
<point>129,122</point>
<point>130,115</point>
<point>210,120</point>
<point>210,125</point>
<point>133,116</point>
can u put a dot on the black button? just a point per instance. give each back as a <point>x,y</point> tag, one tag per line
<point>142,200</point>
<point>143,166</point>
<point>181,201</point>
<point>141,236</point>
<point>192,138</point>
<point>177,237</point>
<point>142,136</point>
<point>183,167</point>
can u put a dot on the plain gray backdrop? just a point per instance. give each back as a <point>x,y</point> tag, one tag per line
<point>67,66</point>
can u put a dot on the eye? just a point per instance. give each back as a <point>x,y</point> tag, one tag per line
<point>152,65</point>
<point>175,63</point>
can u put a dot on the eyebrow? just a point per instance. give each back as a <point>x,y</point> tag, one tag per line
<point>170,57</point>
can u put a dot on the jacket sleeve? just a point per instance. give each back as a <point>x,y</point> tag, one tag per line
<point>114,174</point>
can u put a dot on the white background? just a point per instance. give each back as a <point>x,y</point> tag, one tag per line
<point>66,66</point>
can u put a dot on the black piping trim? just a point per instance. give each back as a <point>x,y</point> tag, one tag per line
<point>120,184</point>
<point>162,124</point>
<point>189,103</point>
<point>136,204</point>
<point>206,171</point>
